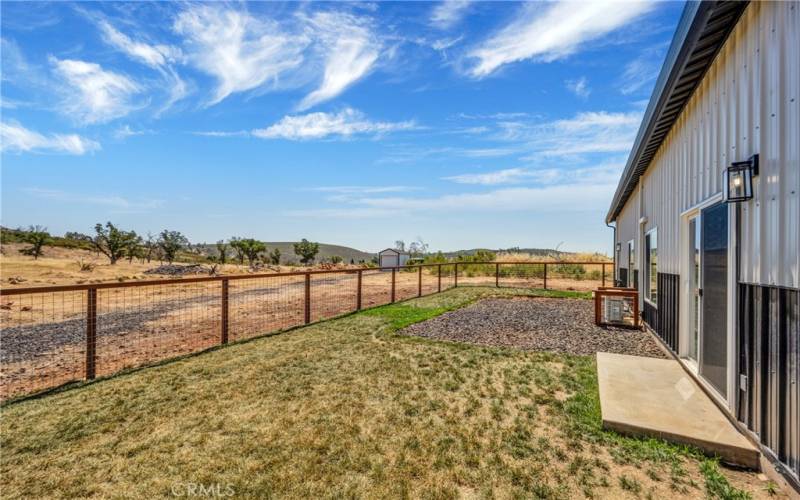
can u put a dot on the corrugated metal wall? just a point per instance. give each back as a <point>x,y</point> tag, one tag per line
<point>627,227</point>
<point>748,102</point>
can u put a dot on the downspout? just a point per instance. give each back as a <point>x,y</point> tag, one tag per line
<point>614,253</point>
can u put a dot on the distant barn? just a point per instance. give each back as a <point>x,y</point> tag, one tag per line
<point>392,258</point>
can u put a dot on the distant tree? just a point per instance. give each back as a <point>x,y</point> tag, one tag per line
<point>150,246</point>
<point>275,257</point>
<point>251,248</point>
<point>36,237</point>
<point>306,250</point>
<point>170,243</point>
<point>134,249</point>
<point>400,245</point>
<point>112,241</point>
<point>352,261</point>
<point>418,248</point>
<point>236,244</point>
<point>335,259</point>
<point>222,251</point>
<point>72,235</point>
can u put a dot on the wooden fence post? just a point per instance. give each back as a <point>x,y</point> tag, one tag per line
<point>358,293</point>
<point>419,282</point>
<point>497,275</point>
<point>307,308</point>
<point>394,272</point>
<point>91,333</point>
<point>439,285</point>
<point>455,275</point>
<point>224,332</point>
<point>545,275</point>
<point>604,274</point>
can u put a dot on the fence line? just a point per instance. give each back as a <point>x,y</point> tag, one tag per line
<point>54,335</point>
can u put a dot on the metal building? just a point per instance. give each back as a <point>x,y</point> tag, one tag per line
<point>392,258</point>
<point>707,213</point>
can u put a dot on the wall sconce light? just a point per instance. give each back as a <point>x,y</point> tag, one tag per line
<point>619,246</point>
<point>739,180</point>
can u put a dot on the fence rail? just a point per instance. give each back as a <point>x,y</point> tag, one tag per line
<point>53,335</point>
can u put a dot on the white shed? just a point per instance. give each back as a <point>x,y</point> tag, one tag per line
<point>392,258</point>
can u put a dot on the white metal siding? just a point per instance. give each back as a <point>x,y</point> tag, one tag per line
<point>627,227</point>
<point>747,103</point>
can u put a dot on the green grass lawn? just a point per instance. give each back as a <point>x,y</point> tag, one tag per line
<point>348,408</point>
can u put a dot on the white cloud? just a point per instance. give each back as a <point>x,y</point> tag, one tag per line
<point>119,203</point>
<point>156,56</point>
<point>349,48</point>
<point>551,32</point>
<point>240,51</point>
<point>506,176</point>
<point>17,139</point>
<point>126,131</point>
<point>94,95</point>
<point>222,133</point>
<point>579,87</point>
<point>362,189</point>
<point>448,13</point>
<point>642,71</point>
<point>345,123</point>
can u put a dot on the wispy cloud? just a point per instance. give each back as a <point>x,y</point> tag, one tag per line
<point>448,13</point>
<point>120,204</point>
<point>240,51</point>
<point>157,56</point>
<point>642,71</point>
<point>345,123</point>
<point>547,33</point>
<point>579,87</point>
<point>15,138</point>
<point>126,131</point>
<point>92,94</point>
<point>222,133</point>
<point>506,176</point>
<point>362,189</point>
<point>350,51</point>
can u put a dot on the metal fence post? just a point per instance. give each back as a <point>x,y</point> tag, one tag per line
<point>307,308</point>
<point>419,282</point>
<point>439,284</point>
<point>394,273</point>
<point>497,275</point>
<point>358,292</point>
<point>91,333</point>
<point>224,333</point>
<point>455,273</point>
<point>545,275</point>
<point>604,274</point>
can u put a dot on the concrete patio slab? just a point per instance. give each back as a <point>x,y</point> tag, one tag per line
<point>655,398</point>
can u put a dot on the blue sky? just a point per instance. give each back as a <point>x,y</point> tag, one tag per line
<point>468,124</point>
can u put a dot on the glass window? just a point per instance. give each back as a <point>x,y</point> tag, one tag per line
<point>651,266</point>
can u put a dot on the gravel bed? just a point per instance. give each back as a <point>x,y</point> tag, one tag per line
<point>538,324</point>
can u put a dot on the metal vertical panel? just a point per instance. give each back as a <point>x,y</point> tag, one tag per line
<point>747,103</point>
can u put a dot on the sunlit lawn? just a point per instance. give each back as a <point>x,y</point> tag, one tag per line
<point>346,408</point>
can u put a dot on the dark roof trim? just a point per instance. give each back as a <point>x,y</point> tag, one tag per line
<point>394,250</point>
<point>701,32</point>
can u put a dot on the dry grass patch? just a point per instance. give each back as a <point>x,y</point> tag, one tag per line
<point>345,408</point>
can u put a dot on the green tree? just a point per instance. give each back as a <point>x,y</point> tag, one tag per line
<point>171,242</point>
<point>306,250</point>
<point>251,248</point>
<point>236,244</point>
<point>112,241</point>
<point>275,257</point>
<point>222,251</point>
<point>36,237</point>
<point>335,259</point>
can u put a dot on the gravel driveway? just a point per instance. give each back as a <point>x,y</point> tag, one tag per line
<point>538,324</point>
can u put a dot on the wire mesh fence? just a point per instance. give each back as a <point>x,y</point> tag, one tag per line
<point>51,336</point>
